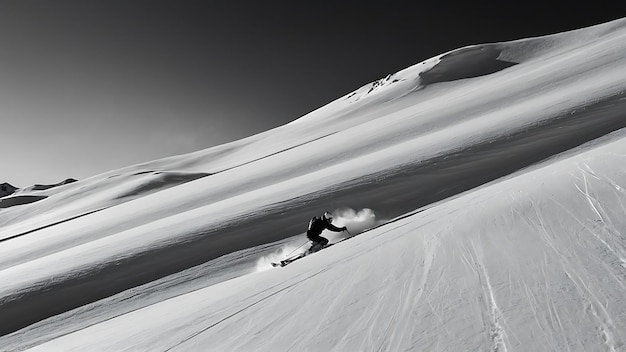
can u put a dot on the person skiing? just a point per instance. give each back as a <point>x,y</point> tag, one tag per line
<point>316,226</point>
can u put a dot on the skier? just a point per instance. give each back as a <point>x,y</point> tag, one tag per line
<point>316,226</point>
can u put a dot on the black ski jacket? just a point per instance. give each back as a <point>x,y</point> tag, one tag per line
<point>317,225</point>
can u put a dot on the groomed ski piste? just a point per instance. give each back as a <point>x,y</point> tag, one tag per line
<point>485,187</point>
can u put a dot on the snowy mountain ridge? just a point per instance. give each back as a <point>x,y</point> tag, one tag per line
<point>507,155</point>
<point>6,189</point>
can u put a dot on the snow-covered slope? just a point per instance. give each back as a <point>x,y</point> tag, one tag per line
<point>509,147</point>
<point>536,262</point>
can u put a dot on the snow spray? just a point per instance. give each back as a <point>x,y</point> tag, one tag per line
<point>355,221</point>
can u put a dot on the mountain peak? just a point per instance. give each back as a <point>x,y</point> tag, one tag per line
<point>6,189</point>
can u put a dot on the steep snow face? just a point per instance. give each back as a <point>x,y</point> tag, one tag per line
<point>535,262</point>
<point>508,266</point>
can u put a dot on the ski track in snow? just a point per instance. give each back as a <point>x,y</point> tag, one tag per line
<point>592,306</point>
<point>270,295</point>
<point>601,213</point>
<point>497,333</point>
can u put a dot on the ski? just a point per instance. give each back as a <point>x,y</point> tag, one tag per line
<point>290,260</point>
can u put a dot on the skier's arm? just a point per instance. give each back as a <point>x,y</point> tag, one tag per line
<point>332,227</point>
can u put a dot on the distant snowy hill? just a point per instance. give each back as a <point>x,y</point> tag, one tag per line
<point>485,187</point>
<point>17,194</point>
<point>39,187</point>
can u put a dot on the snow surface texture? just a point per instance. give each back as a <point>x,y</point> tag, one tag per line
<point>492,177</point>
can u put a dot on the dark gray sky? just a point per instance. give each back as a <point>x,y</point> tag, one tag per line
<point>88,86</point>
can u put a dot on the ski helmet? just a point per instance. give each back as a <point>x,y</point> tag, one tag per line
<point>328,216</point>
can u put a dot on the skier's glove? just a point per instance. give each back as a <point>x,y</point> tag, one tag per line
<point>344,228</point>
